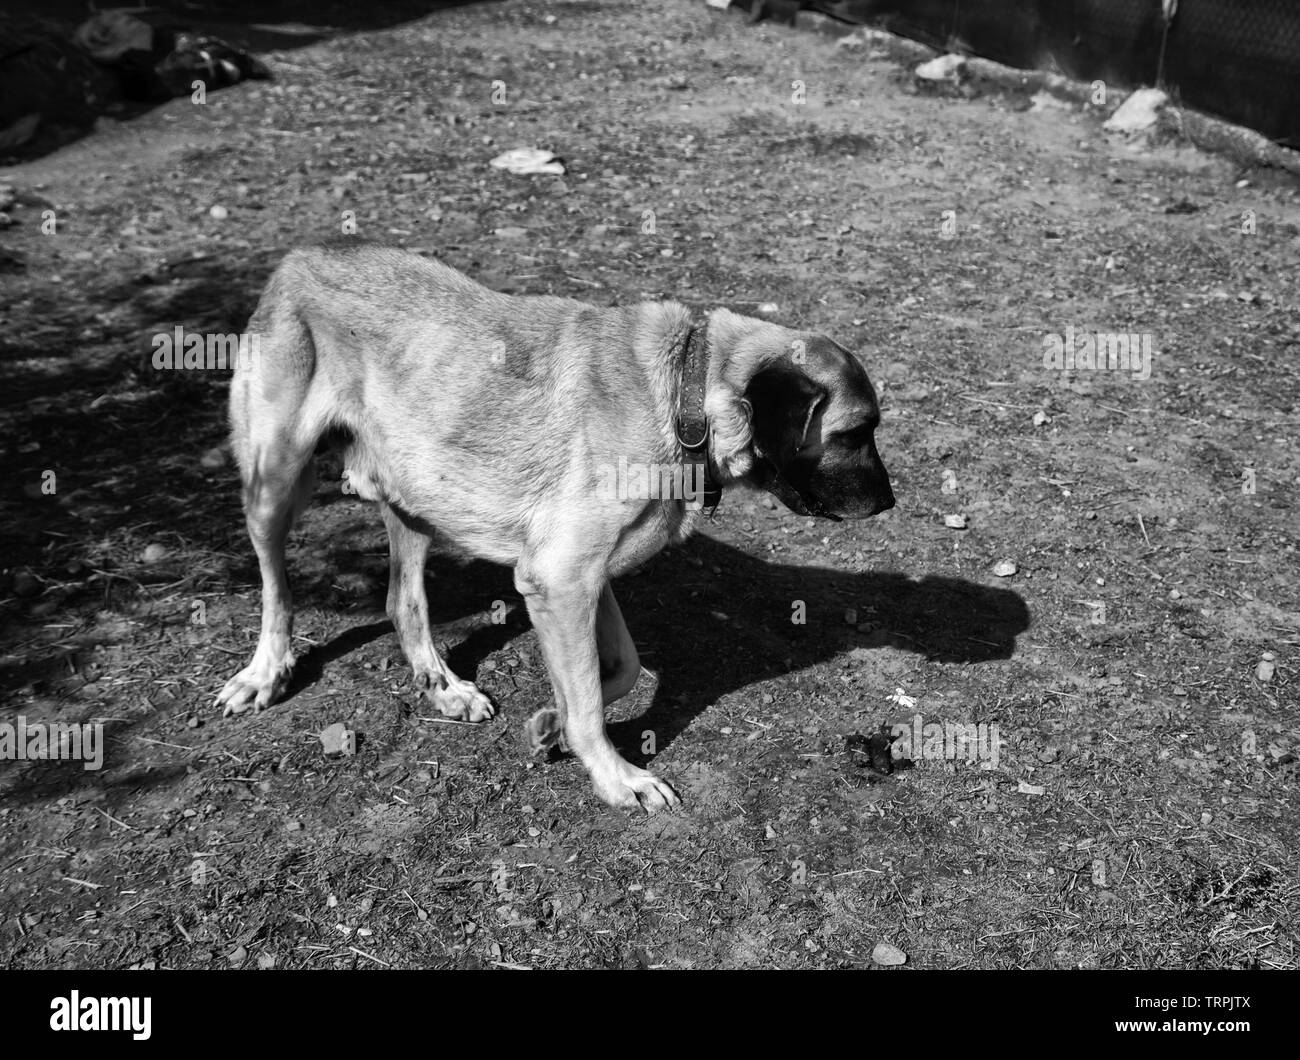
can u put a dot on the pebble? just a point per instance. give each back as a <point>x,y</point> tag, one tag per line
<point>955,522</point>
<point>218,213</point>
<point>887,955</point>
<point>1005,568</point>
<point>1264,671</point>
<point>153,553</point>
<point>338,739</point>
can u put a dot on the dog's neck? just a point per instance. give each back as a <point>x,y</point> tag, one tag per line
<point>692,424</point>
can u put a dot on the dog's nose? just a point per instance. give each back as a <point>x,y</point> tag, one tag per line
<point>886,502</point>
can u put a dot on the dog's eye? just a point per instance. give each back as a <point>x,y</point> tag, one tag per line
<point>855,436</point>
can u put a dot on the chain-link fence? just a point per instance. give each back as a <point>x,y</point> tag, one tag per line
<point>1237,59</point>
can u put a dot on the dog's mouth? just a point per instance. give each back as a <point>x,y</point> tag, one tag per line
<point>815,506</point>
<point>799,499</point>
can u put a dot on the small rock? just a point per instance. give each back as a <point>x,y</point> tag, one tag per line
<point>1040,417</point>
<point>218,213</point>
<point>528,161</point>
<point>1264,671</point>
<point>902,699</point>
<point>768,309</point>
<point>955,522</point>
<point>153,553</point>
<point>1025,788</point>
<point>1005,568</point>
<point>1138,112</point>
<point>266,961</point>
<point>850,616</point>
<point>944,68</point>
<point>338,739</point>
<point>1206,818</point>
<point>888,956</point>
<point>238,955</point>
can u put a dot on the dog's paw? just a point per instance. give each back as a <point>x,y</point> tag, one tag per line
<point>545,731</point>
<point>628,787</point>
<point>257,685</point>
<point>455,698</point>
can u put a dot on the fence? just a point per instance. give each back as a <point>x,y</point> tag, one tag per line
<point>1236,59</point>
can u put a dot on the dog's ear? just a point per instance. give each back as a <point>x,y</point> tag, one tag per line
<point>784,402</point>
<point>730,421</point>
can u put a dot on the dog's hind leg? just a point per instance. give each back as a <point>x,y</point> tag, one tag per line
<point>408,607</point>
<point>273,437</point>
<point>278,483</point>
<point>620,665</point>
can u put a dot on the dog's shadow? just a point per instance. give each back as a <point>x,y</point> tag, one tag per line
<point>710,619</point>
<point>737,620</point>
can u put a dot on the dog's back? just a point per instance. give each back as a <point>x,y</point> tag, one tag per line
<point>430,376</point>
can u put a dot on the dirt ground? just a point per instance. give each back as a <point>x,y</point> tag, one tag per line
<point>1143,808</point>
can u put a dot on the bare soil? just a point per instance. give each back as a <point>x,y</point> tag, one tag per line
<point>1143,809</point>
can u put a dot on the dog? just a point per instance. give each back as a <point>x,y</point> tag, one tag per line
<point>500,423</point>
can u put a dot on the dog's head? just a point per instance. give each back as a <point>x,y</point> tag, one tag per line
<point>812,416</point>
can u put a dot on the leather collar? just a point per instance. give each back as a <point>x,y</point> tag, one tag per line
<point>692,424</point>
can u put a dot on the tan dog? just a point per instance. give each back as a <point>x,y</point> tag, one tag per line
<point>568,441</point>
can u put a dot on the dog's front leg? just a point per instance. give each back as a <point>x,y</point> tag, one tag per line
<point>563,606</point>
